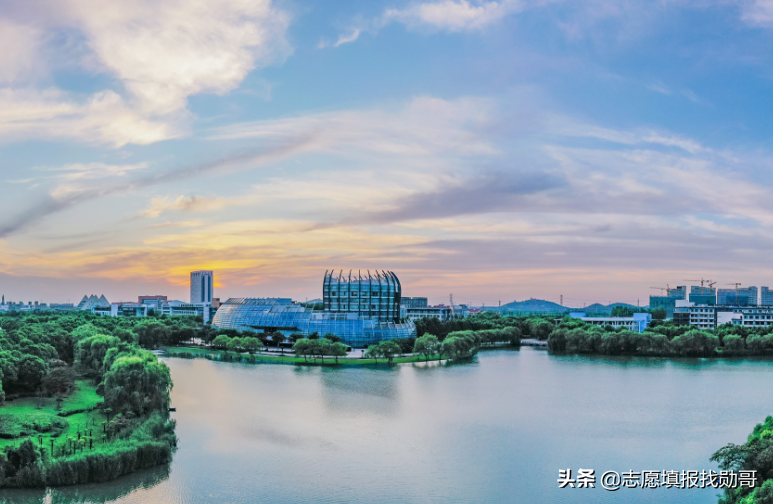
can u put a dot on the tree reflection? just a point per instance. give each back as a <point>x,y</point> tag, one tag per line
<point>90,493</point>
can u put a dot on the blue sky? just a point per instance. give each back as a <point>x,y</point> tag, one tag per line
<point>490,149</point>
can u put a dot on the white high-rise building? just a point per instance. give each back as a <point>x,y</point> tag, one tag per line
<point>202,283</point>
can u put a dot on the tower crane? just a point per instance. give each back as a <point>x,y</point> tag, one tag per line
<point>709,282</point>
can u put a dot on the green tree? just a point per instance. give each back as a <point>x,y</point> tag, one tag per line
<point>426,345</point>
<point>389,349</point>
<point>60,380</point>
<point>279,338</point>
<point>622,311</point>
<point>151,335</point>
<point>332,337</point>
<point>338,350</point>
<point>301,347</point>
<point>374,352</point>
<point>733,342</point>
<point>659,314</point>
<point>323,347</point>
<point>235,345</point>
<point>84,331</point>
<point>125,335</point>
<point>263,337</point>
<point>32,369</point>
<point>138,383</point>
<point>251,345</point>
<point>91,352</point>
<point>461,345</point>
<point>221,342</point>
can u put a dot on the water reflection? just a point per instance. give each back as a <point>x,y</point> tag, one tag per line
<point>361,391</point>
<point>92,493</point>
<point>496,430</point>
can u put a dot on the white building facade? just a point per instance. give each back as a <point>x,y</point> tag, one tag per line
<point>202,286</point>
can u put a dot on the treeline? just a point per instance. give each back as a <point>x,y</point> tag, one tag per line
<point>525,327</point>
<point>42,354</point>
<point>463,345</point>
<point>664,339</point>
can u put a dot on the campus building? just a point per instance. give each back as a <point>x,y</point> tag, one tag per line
<point>360,309</point>
<point>703,295</point>
<point>712,316</point>
<point>88,303</point>
<point>668,302</point>
<point>376,295</point>
<point>737,297</point>
<point>637,323</point>
<point>766,296</point>
<point>440,312</point>
<point>417,302</point>
<point>202,283</point>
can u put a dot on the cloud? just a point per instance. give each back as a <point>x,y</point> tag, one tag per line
<point>426,125</point>
<point>160,51</point>
<point>691,96</point>
<point>105,118</point>
<point>166,50</point>
<point>68,195</point>
<point>78,175</point>
<point>659,88</point>
<point>344,38</point>
<point>20,44</point>
<point>455,15</point>
<point>487,192</point>
<point>757,12</point>
<point>190,204</point>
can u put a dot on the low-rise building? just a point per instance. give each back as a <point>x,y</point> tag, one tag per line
<point>414,302</point>
<point>88,303</point>
<point>637,323</point>
<point>711,316</point>
<point>179,308</point>
<point>440,312</point>
<point>121,310</point>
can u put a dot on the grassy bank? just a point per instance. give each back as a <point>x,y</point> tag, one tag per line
<point>222,355</point>
<point>72,441</point>
<point>42,418</point>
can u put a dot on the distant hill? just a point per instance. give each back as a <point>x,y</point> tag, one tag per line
<point>533,305</point>
<point>542,306</point>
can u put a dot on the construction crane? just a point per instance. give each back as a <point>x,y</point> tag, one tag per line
<point>709,282</point>
<point>667,288</point>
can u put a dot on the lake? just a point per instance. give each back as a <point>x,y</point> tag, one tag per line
<point>496,430</point>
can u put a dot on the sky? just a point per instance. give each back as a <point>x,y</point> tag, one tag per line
<point>495,150</point>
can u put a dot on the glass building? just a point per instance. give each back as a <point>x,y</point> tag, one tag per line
<point>737,297</point>
<point>376,295</point>
<point>361,310</point>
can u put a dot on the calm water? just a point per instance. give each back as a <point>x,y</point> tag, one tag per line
<point>496,430</point>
